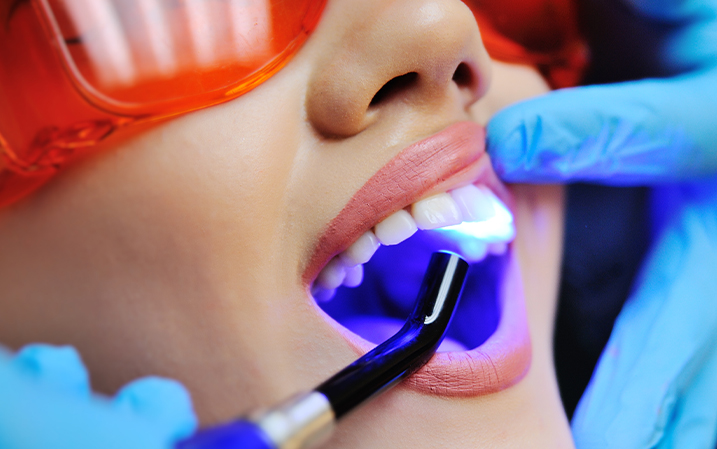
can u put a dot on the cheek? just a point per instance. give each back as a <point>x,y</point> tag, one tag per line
<point>538,243</point>
<point>510,84</point>
<point>240,155</point>
<point>215,179</point>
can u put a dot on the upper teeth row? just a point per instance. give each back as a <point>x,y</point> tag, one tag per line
<point>492,229</point>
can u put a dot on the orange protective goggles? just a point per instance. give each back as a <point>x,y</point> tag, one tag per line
<point>73,71</point>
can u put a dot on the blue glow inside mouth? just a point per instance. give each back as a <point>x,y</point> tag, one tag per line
<point>379,306</point>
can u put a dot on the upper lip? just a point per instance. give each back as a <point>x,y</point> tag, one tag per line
<point>451,158</point>
<point>442,161</point>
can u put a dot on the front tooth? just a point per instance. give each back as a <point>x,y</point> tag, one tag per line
<point>436,211</point>
<point>361,250</point>
<point>332,275</point>
<point>395,228</point>
<point>474,202</point>
<point>354,276</point>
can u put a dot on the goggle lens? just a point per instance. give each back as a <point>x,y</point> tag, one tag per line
<point>123,61</point>
<point>147,57</point>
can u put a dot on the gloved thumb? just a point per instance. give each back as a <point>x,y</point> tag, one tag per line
<point>634,133</point>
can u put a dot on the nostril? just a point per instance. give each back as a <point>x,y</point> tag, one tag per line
<point>395,86</point>
<point>463,76</point>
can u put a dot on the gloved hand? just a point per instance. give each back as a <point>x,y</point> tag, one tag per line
<point>46,402</point>
<point>656,382</point>
<point>640,132</point>
<point>655,385</point>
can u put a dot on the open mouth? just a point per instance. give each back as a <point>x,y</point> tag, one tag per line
<point>440,193</point>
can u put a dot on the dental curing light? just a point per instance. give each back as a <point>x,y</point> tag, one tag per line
<point>471,236</point>
<point>309,417</point>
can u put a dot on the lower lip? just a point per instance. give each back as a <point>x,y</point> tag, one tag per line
<point>500,362</point>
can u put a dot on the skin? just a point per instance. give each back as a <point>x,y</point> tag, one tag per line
<point>178,249</point>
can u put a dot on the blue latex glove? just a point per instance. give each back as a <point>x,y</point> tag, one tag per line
<point>46,402</point>
<point>656,382</point>
<point>655,385</point>
<point>640,132</point>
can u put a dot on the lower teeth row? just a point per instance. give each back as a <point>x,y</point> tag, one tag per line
<point>472,215</point>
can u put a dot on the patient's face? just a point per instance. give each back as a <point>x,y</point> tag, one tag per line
<point>191,249</point>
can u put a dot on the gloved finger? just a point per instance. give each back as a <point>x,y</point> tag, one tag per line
<point>60,366</point>
<point>38,415</point>
<point>641,132</point>
<point>164,401</point>
<point>664,339</point>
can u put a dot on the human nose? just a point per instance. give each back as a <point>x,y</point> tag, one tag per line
<point>395,57</point>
